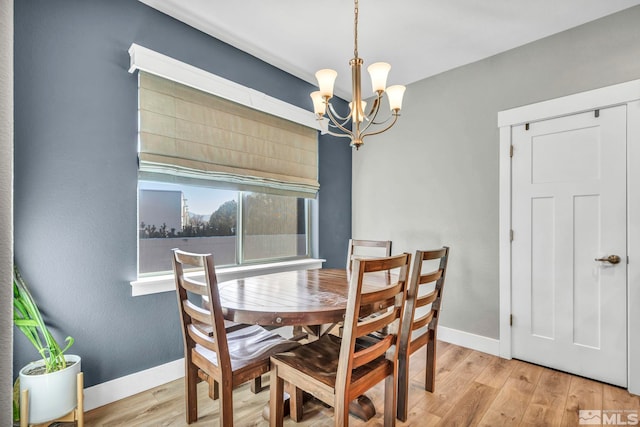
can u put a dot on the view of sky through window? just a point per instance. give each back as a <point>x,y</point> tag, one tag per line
<point>201,200</point>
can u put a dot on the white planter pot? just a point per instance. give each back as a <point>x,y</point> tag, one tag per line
<point>52,395</point>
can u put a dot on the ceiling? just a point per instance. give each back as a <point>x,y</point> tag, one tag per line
<point>419,38</point>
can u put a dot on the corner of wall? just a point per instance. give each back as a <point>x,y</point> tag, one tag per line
<point>6,203</point>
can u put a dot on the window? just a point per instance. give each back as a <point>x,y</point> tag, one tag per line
<point>236,227</point>
<point>222,169</point>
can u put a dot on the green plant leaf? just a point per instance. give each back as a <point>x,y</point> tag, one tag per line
<point>28,319</point>
<point>16,400</point>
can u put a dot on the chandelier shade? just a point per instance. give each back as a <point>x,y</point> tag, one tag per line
<point>379,72</point>
<point>326,80</point>
<point>358,124</point>
<point>395,94</point>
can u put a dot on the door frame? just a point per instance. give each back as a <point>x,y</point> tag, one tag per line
<point>628,94</point>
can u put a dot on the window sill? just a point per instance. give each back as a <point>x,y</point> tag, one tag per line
<point>166,283</point>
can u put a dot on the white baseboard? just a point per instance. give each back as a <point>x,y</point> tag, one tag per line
<point>119,388</point>
<point>469,340</point>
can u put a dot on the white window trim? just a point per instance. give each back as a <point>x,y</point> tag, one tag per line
<point>165,283</point>
<point>142,58</point>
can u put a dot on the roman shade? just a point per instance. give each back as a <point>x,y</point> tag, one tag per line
<point>193,137</point>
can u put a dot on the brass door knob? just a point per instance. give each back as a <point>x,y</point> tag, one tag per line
<point>613,259</point>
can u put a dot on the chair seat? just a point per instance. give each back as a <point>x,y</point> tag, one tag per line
<point>250,345</point>
<point>319,360</point>
<point>229,326</point>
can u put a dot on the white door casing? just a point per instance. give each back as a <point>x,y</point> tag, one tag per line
<point>628,94</point>
<point>568,208</point>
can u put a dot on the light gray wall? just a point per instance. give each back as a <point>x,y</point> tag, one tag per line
<point>76,174</point>
<point>6,211</point>
<point>433,179</point>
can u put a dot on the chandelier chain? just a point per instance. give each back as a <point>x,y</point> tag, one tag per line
<point>355,30</point>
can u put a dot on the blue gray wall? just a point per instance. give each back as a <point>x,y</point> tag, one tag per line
<point>334,199</point>
<point>76,173</point>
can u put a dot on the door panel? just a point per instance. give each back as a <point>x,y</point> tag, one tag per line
<point>542,283</point>
<point>569,207</point>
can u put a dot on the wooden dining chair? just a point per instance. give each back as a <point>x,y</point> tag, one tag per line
<point>367,248</point>
<point>424,289</point>
<point>219,357</point>
<point>335,370</point>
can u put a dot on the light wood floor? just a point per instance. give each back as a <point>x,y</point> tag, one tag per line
<point>472,389</point>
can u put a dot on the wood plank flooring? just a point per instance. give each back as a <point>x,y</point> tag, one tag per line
<point>472,389</point>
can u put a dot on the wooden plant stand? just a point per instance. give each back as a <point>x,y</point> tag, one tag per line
<point>75,416</point>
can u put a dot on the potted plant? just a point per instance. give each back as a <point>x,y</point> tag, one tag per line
<point>51,381</point>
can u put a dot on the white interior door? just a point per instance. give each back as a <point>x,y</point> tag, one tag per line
<point>569,208</point>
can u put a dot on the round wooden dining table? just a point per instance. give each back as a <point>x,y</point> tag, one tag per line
<point>291,298</point>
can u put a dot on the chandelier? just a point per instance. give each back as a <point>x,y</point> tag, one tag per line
<point>360,123</point>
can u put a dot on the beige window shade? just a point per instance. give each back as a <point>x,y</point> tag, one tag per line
<point>194,137</point>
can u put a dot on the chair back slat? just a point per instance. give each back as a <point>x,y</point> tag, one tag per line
<point>422,321</point>
<point>197,313</point>
<point>427,299</point>
<point>201,338</point>
<point>435,254</point>
<point>371,243</point>
<point>430,277</point>
<point>372,324</point>
<point>418,343</point>
<point>383,264</point>
<point>385,294</point>
<point>194,286</point>
<point>372,352</point>
<point>191,259</point>
<point>374,248</point>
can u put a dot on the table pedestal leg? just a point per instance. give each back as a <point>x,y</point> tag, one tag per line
<point>361,408</point>
<point>286,410</point>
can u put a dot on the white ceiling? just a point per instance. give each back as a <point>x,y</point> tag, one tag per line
<point>419,38</point>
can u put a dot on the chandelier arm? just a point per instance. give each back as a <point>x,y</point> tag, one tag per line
<point>338,116</point>
<point>332,125</point>
<point>371,117</point>
<point>368,124</point>
<point>339,135</point>
<point>374,108</point>
<point>337,123</point>
<point>395,119</point>
<point>385,120</point>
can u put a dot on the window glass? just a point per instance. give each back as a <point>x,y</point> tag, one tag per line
<point>194,219</point>
<point>207,220</point>
<point>273,226</point>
